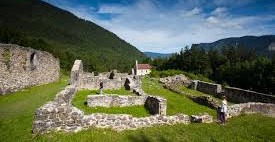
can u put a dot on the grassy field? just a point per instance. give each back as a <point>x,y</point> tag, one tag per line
<point>17,111</point>
<point>80,101</point>
<point>176,103</point>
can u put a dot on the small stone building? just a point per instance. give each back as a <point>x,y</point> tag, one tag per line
<point>22,67</point>
<point>141,69</point>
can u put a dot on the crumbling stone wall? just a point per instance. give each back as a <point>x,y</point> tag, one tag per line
<point>209,88</point>
<point>76,72</point>
<point>86,80</point>
<point>238,95</point>
<point>251,108</point>
<point>176,80</point>
<point>233,94</point>
<point>22,67</point>
<point>156,105</point>
<point>111,100</point>
<point>60,115</point>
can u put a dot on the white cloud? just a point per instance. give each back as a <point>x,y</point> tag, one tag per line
<point>111,9</point>
<point>195,11</point>
<point>151,28</point>
<point>219,11</point>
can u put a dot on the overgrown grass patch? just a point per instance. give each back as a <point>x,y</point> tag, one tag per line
<point>80,101</point>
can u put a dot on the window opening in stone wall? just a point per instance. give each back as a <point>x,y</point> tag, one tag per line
<point>33,61</point>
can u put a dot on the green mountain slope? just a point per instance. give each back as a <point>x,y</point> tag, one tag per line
<point>155,55</point>
<point>260,44</point>
<point>43,26</point>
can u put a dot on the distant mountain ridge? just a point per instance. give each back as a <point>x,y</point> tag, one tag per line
<point>157,55</point>
<point>263,45</point>
<point>66,36</point>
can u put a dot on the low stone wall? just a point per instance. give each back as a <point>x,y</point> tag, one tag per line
<point>233,94</point>
<point>251,108</point>
<point>156,105</point>
<point>114,100</point>
<point>238,95</point>
<point>22,67</point>
<point>60,115</point>
<point>206,87</point>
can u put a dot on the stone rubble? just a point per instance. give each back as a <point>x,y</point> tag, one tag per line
<point>202,118</point>
<point>176,80</point>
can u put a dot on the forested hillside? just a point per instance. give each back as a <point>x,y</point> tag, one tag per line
<point>42,26</point>
<point>236,66</point>
<point>259,44</point>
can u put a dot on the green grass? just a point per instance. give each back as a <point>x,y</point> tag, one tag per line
<point>191,92</point>
<point>243,128</point>
<point>17,111</point>
<point>80,101</point>
<point>176,103</point>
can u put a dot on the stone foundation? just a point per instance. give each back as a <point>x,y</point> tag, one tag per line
<point>22,67</point>
<point>60,115</point>
<point>115,100</point>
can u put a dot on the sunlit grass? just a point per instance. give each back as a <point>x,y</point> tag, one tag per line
<point>176,103</point>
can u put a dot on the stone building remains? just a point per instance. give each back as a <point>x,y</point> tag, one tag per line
<point>23,67</point>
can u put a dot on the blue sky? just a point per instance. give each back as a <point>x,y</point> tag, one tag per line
<point>166,26</point>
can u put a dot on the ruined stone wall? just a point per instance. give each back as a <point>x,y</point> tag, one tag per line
<point>238,95</point>
<point>251,108</point>
<point>156,105</point>
<point>209,88</point>
<point>76,72</point>
<point>112,100</point>
<point>60,115</point>
<point>233,94</point>
<point>92,82</point>
<point>86,80</point>
<point>22,67</point>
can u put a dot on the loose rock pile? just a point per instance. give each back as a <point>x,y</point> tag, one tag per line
<point>202,118</point>
<point>176,80</point>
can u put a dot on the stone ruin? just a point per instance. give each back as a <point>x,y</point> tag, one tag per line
<point>61,115</point>
<point>176,80</point>
<point>23,67</point>
<point>264,104</point>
